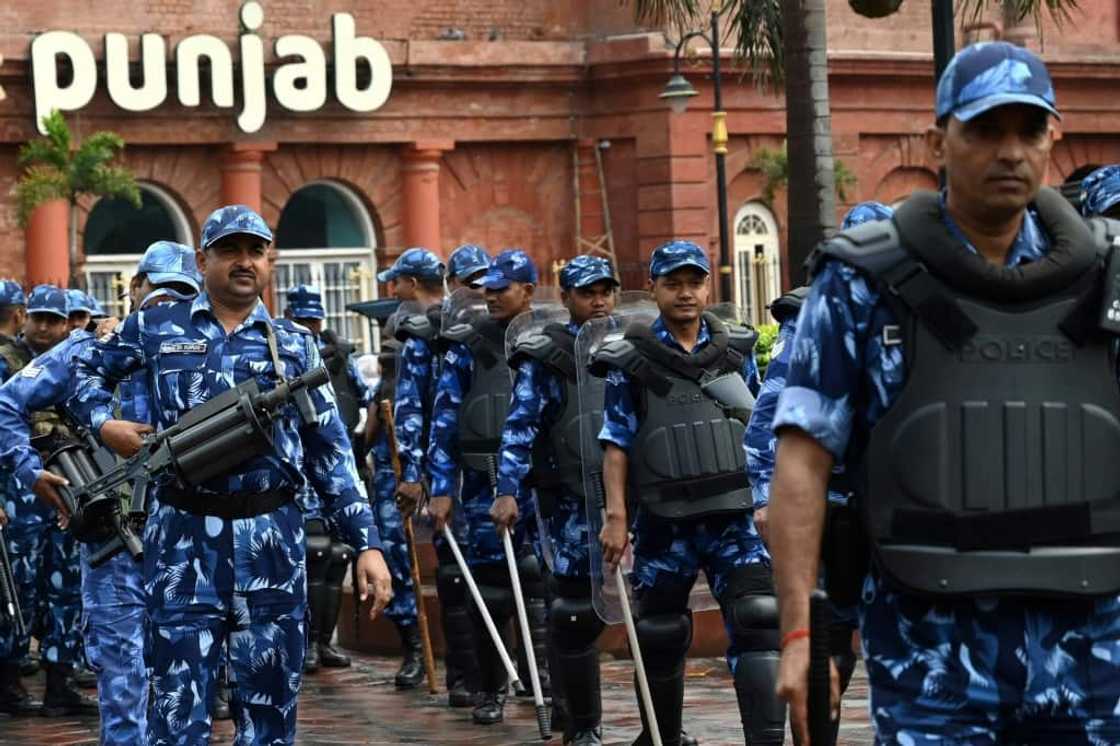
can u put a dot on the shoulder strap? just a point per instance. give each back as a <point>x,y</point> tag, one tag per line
<point>554,346</point>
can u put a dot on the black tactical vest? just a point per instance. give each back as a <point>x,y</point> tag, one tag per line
<point>688,458</point>
<point>557,462</point>
<point>336,356</point>
<point>482,414</point>
<point>789,305</point>
<point>996,470</point>
<point>48,429</point>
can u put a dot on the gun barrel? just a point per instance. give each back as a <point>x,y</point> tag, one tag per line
<point>280,395</point>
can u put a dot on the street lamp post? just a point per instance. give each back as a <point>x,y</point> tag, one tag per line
<point>677,92</point>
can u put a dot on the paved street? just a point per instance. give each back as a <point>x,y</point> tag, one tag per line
<point>360,706</point>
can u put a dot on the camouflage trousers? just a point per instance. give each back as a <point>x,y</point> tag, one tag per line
<point>113,616</point>
<point>266,640</point>
<point>47,574</point>
<point>568,536</point>
<point>988,671</point>
<point>402,609</point>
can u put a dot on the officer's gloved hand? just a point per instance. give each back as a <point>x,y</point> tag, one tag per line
<point>372,573</point>
<point>440,509</point>
<point>124,437</point>
<point>504,513</point>
<point>46,489</point>
<point>409,497</point>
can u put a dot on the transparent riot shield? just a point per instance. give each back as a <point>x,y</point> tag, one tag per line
<point>527,330</point>
<point>728,312</point>
<point>464,306</point>
<point>632,308</point>
<point>406,310</point>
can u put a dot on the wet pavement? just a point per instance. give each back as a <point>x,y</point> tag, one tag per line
<point>360,706</point>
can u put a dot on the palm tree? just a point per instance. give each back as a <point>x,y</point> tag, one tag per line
<point>785,44</point>
<point>55,167</point>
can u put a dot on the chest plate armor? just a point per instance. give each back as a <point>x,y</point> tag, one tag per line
<point>557,460</point>
<point>482,414</point>
<point>48,429</point>
<point>687,459</point>
<point>995,471</point>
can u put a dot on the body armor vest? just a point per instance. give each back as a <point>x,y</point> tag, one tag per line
<point>482,414</point>
<point>48,429</point>
<point>995,470</point>
<point>789,305</point>
<point>557,460</point>
<point>336,357</point>
<point>688,458</point>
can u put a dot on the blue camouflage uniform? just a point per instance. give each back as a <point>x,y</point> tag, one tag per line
<point>1100,191</point>
<point>112,594</point>
<point>959,671</point>
<point>44,557</point>
<point>209,578</point>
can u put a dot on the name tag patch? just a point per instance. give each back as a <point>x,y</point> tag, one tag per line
<point>179,348</point>
<point>31,371</point>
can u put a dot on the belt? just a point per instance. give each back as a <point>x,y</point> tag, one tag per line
<point>228,507</point>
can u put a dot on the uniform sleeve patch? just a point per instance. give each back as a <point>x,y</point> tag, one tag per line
<point>31,371</point>
<point>776,350</point>
<point>173,348</point>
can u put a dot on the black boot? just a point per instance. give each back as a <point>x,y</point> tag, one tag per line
<point>762,713</point>
<point>14,699</point>
<point>220,710</point>
<point>318,558</point>
<point>85,678</point>
<point>581,695</point>
<point>411,672</point>
<point>537,611</point>
<point>590,737</point>
<point>329,655</point>
<point>461,659</point>
<point>28,665</point>
<point>62,696</point>
<point>491,699</point>
<point>666,689</point>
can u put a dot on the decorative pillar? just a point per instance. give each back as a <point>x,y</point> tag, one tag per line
<point>420,171</point>
<point>48,244</point>
<point>241,185</point>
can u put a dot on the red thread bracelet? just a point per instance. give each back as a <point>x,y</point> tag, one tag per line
<point>796,634</point>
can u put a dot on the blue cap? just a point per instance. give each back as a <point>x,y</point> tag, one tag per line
<point>671,256</point>
<point>78,302</point>
<point>306,302</point>
<point>512,265</point>
<point>165,262</point>
<point>232,220</point>
<point>99,311</point>
<point>11,294</point>
<point>866,212</point>
<point>467,260</point>
<point>414,263</point>
<point>1100,190</point>
<point>48,299</point>
<point>988,74</point>
<point>585,270</point>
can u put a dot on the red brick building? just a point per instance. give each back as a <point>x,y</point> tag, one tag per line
<point>495,114</point>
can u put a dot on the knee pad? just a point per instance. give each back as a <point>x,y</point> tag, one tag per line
<point>668,596</point>
<point>499,602</point>
<point>665,638</point>
<point>318,556</point>
<point>338,561</point>
<point>751,609</point>
<point>450,586</point>
<point>575,623</point>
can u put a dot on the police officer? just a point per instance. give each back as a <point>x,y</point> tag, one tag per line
<point>226,560</point>
<point>946,344</point>
<point>13,310</point>
<point>536,456</point>
<point>328,556</point>
<point>475,379</point>
<point>417,374</point>
<point>687,519</point>
<point>760,442</point>
<point>113,600</point>
<point>44,557</point>
<point>81,308</point>
<point>1100,192</point>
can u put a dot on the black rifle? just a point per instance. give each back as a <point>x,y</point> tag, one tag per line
<point>820,659</point>
<point>9,599</point>
<point>210,441</point>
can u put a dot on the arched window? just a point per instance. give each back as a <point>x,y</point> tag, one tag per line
<point>116,235</point>
<point>758,270</point>
<point>326,237</point>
